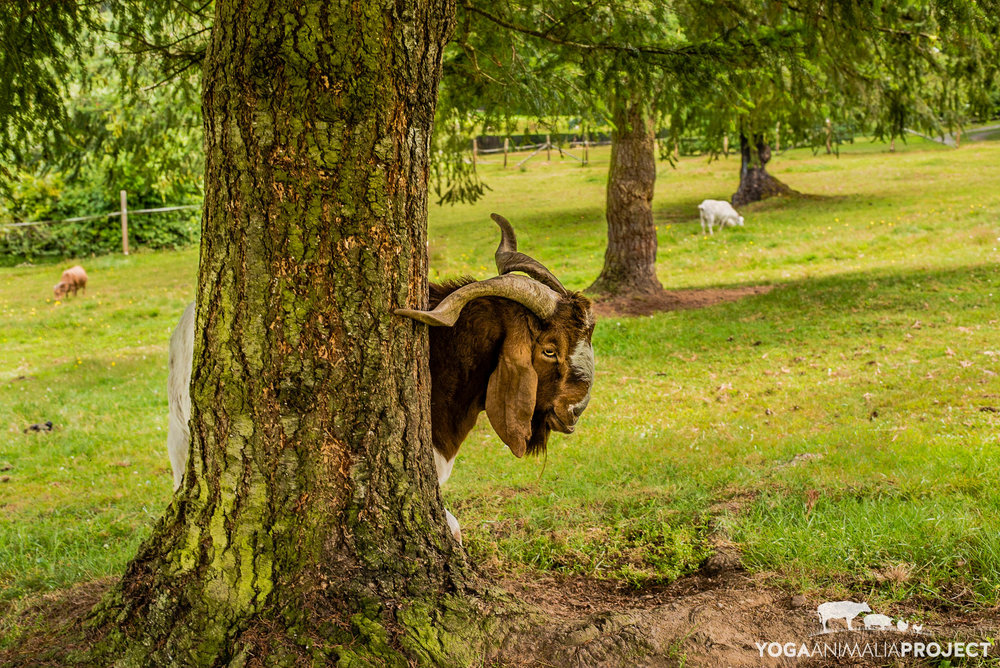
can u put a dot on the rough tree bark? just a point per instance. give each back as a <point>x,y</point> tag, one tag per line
<point>755,183</point>
<point>310,522</point>
<point>630,260</point>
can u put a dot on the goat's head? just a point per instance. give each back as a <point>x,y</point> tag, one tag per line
<point>546,367</point>
<point>60,290</point>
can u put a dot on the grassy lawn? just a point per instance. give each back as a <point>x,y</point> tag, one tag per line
<point>842,429</point>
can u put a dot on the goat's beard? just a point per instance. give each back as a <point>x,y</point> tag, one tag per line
<point>539,434</point>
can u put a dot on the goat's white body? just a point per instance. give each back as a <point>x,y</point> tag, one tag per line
<point>179,393</point>
<point>181,356</point>
<point>717,212</point>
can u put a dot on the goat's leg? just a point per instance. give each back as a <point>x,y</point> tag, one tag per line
<point>444,467</point>
<point>456,530</point>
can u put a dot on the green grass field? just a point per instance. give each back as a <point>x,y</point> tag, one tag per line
<point>842,429</point>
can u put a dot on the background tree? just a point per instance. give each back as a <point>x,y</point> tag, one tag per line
<point>885,68</point>
<point>611,62</point>
<point>709,67</point>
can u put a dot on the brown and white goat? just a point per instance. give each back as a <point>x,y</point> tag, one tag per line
<point>517,347</point>
<point>73,279</point>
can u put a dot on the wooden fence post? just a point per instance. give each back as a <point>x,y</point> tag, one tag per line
<point>506,146</point>
<point>124,223</point>
<point>548,148</point>
<point>586,148</point>
<point>475,151</point>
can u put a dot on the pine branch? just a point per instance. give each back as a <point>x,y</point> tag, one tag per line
<point>689,51</point>
<point>822,16</point>
<point>564,20</point>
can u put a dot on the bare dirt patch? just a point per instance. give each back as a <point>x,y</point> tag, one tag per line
<point>44,630</point>
<point>673,300</point>
<point>716,617</point>
<point>701,620</point>
<point>727,619</point>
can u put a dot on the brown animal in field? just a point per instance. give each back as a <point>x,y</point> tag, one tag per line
<point>73,279</point>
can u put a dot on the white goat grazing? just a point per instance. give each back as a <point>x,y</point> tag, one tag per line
<point>717,212</point>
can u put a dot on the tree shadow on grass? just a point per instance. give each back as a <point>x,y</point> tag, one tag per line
<point>828,299</point>
<point>672,300</point>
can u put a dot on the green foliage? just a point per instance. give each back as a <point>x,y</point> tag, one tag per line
<point>59,61</point>
<point>886,68</point>
<point>50,197</point>
<point>75,240</point>
<point>115,135</point>
<point>714,70</point>
<point>454,176</point>
<point>38,49</point>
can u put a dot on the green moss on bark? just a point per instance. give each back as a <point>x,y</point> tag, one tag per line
<point>309,523</point>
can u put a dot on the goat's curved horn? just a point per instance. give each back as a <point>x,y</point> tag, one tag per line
<point>509,259</point>
<point>538,298</point>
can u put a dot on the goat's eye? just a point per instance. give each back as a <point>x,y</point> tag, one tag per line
<point>549,352</point>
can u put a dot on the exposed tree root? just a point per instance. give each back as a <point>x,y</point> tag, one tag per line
<point>714,618</point>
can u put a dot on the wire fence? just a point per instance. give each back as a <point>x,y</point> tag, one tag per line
<point>101,216</point>
<point>46,237</point>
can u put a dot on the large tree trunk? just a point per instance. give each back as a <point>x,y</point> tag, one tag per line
<point>309,522</point>
<point>755,183</point>
<point>630,260</point>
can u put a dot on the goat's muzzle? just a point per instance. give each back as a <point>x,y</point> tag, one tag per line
<point>556,424</point>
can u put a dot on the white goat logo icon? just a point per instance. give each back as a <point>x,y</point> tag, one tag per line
<point>848,610</point>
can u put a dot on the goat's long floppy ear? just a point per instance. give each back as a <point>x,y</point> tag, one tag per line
<point>510,394</point>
